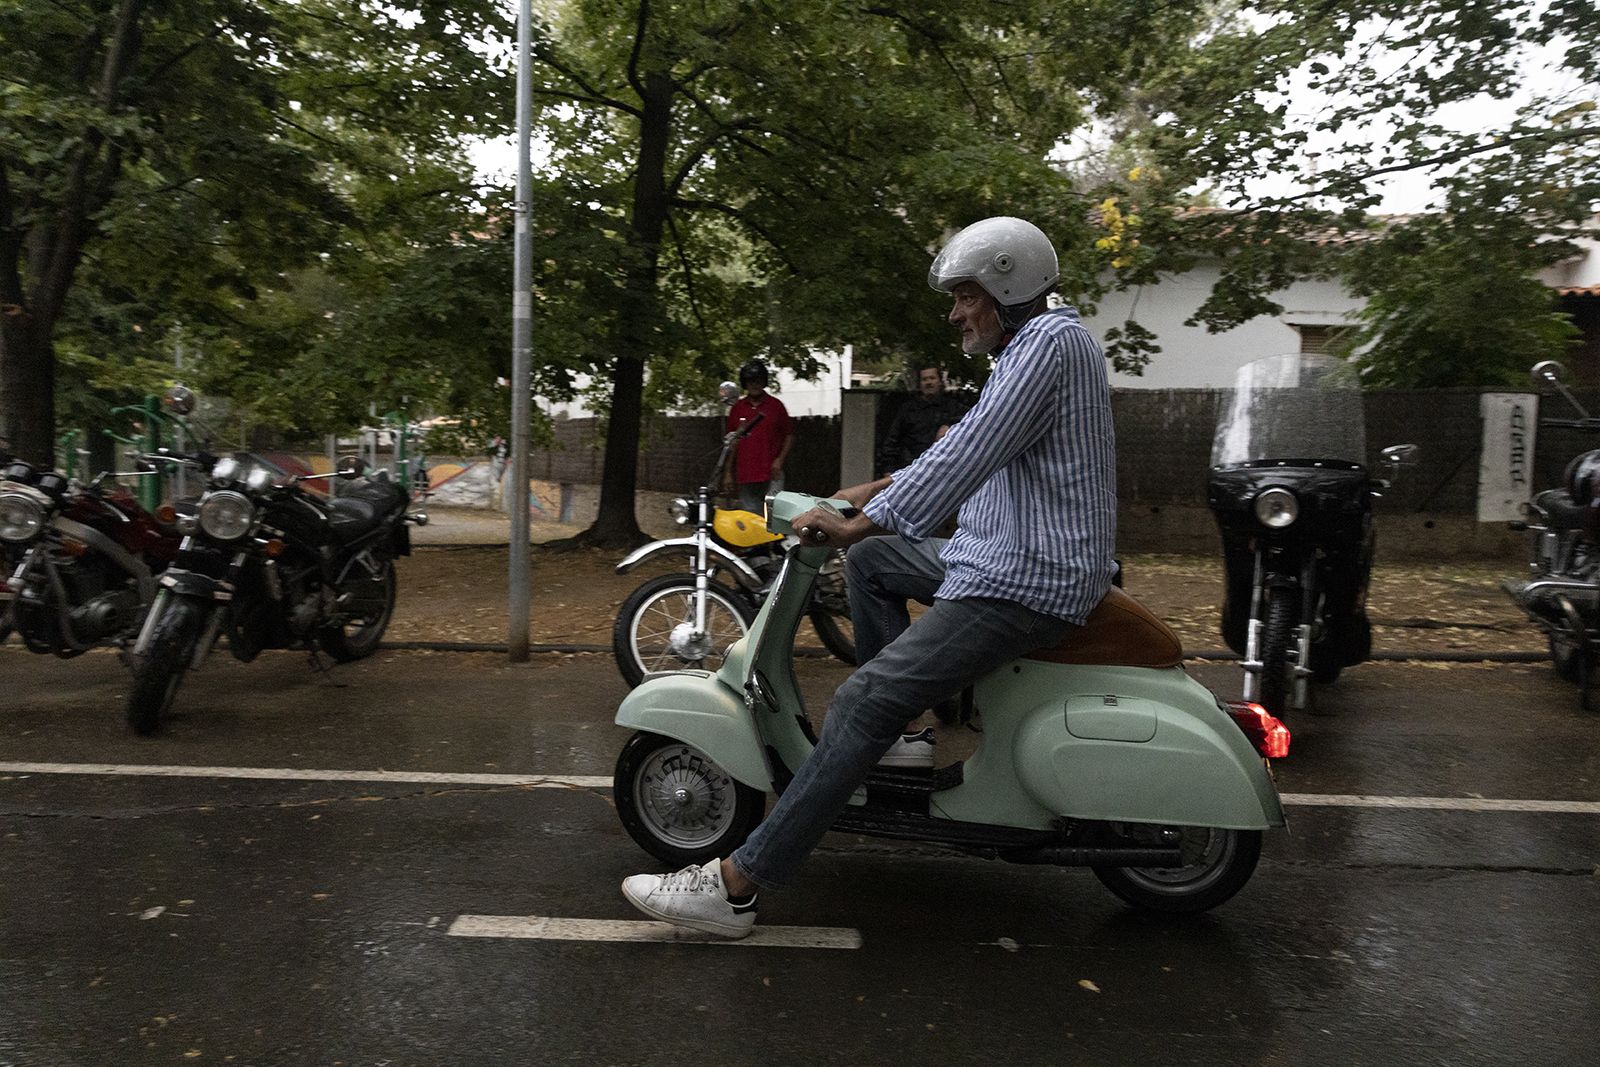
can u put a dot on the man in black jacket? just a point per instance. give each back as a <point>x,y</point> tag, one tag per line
<point>918,422</point>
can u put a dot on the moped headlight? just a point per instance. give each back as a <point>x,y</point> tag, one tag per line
<point>681,511</point>
<point>21,519</point>
<point>1277,507</point>
<point>226,515</point>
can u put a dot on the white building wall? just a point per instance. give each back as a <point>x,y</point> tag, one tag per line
<point>816,397</point>
<point>1191,357</point>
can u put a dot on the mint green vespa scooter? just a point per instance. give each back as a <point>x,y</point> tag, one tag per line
<point>1101,752</point>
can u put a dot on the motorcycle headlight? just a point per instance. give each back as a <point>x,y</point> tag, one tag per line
<point>1277,507</point>
<point>226,515</point>
<point>21,519</point>
<point>682,511</point>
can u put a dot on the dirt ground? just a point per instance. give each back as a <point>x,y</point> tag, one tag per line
<point>458,593</point>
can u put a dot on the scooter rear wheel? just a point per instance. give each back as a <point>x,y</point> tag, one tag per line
<point>679,804</point>
<point>1221,862</point>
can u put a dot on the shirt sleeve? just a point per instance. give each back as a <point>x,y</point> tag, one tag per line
<point>1012,412</point>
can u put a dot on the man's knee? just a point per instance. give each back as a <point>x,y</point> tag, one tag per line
<point>865,560</point>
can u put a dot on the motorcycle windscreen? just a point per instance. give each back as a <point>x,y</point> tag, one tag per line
<point>1292,407</point>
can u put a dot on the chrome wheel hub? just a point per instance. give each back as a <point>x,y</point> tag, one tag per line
<point>684,797</point>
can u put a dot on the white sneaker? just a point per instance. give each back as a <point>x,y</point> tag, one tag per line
<point>910,750</point>
<point>694,897</point>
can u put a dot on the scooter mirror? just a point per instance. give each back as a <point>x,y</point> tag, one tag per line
<point>1399,454</point>
<point>727,393</point>
<point>1548,372</point>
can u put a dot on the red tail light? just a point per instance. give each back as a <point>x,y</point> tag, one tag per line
<point>1269,736</point>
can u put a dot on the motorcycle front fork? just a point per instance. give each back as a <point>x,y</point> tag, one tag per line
<point>1300,654</point>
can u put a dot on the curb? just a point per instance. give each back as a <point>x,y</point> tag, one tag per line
<point>1207,656</point>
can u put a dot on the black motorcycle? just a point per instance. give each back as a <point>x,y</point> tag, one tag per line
<point>1562,593</point>
<point>82,559</point>
<point>1293,501</point>
<point>272,565</point>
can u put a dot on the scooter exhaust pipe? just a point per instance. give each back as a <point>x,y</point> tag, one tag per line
<point>1085,856</point>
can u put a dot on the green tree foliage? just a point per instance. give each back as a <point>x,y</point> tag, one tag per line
<point>1434,87</point>
<point>765,178</point>
<point>230,166</point>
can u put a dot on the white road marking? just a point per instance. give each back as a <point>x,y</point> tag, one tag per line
<point>1479,804</point>
<point>294,774</point>
<point>550,928</point>
<point>596,781</point>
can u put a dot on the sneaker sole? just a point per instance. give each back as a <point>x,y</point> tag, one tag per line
<point>906,761</point>
<point>705,926</point>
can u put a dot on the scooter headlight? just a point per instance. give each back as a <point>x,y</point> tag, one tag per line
<point>21,519</point>
<point>1277,507</point>
<point>681,511</point>
<point>226,515</point>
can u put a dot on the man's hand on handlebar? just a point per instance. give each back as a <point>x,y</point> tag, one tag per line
<point>827,526</point>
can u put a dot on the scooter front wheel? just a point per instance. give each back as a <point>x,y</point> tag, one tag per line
<point>1217,865</point>
<point>678,804</point>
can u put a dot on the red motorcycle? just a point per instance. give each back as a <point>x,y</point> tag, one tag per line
<point>82,560</point>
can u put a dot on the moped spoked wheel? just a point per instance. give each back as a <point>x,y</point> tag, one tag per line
<point>652,631</point>
<point>1217,864</point>
<point>357,638</point>
<point>1277,637</point>
<point>678,804</point>
<point>158,673</point>
<point>830,611</point>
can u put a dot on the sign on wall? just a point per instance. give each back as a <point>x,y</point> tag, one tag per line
<point>1505,466</point>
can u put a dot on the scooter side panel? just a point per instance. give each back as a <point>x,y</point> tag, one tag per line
<point>1198,769</point>
<point>697,709</point>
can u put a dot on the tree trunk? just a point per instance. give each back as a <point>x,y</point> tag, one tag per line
<point>27,388</point>
<point>616,525</point>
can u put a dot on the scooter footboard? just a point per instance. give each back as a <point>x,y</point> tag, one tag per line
<point>1149,746</point>
<point>697,709</point>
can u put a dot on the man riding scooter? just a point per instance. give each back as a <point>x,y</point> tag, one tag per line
<point>1032,469</point>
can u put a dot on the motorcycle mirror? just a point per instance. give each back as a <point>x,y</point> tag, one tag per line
<point>1548,372</point>
<point>727,393</point>
<point>1399,454</point>
<point>351,467</point>
<point>179,400</point>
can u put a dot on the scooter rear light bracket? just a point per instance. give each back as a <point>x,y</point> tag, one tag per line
<point>1265,731</point>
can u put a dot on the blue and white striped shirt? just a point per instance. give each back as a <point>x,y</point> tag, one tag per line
<point>1033,469</point>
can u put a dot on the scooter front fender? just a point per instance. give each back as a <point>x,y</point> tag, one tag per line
<point>675,546</point>
<point>696,708</point>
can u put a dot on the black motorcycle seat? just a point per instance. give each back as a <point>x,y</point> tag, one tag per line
<point>359,509</point>
<point>1563,513</point>
<point>1120,632</point>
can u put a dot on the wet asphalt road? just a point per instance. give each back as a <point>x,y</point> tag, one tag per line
<point>219,920</point>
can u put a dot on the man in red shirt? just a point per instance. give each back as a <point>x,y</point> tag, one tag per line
<point>757,464</point>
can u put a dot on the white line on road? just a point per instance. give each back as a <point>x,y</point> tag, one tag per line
<point>547,928</point>
<point>596,781</point>
<point>295,774</point>
<point>1340,800</point>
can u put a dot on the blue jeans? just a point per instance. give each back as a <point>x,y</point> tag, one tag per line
<point>952,645</point>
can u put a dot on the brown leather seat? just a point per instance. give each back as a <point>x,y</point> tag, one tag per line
<point>1120,632</point>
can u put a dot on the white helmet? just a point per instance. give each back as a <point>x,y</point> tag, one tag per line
<point>1010,258</point>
